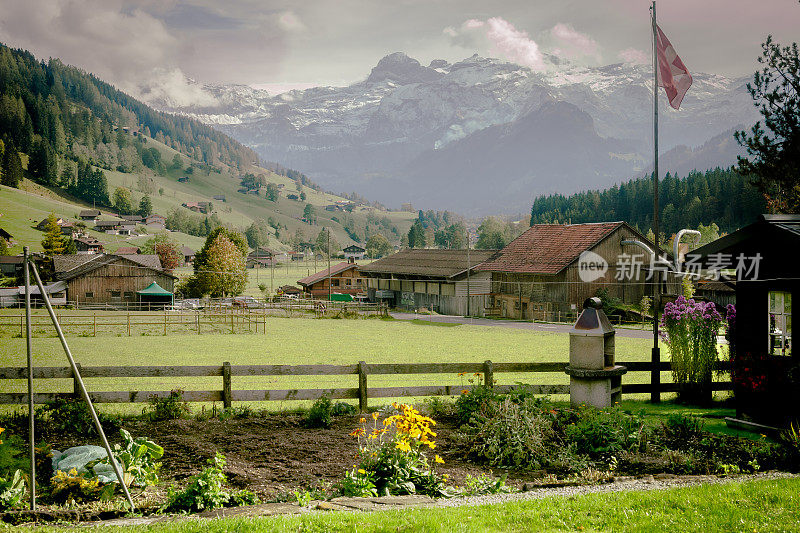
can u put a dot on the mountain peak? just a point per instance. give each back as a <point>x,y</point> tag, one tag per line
<point>401,69</point>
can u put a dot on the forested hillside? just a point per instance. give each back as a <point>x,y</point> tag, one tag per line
<point>65,118</point>
<point>718,196</point>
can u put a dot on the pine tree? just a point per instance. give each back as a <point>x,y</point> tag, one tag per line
<point>145,207</point>
<point>12,167</point>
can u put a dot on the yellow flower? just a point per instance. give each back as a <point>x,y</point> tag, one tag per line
<point>363,420</point>
<point>439,459</point>
<point>375,415</point>
<point>362,471</point>
<point>403,446</point>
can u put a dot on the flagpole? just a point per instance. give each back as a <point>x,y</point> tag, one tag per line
<point>655,373</point>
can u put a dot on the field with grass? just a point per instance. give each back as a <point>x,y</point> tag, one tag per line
<point>311,341</point>
<point>762,506</point>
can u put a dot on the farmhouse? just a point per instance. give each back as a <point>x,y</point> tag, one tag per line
<point>42,226</point>
<point>109,278</point>
<point>6,236</point>
<point>344,278</point>
<point>433,279</point>
<point>219,197</point>
<point>537,275</point>
<point>354,252</point>
<point>155,221</point>
<point>89,214</point>
<point>260,258</point>
<point>11,265</point>
<point>188,255</point>
<point>138,219</point>
<point>88,245</point>
<point>116,227</point>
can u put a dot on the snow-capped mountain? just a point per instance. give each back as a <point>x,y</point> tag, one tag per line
<point>478,136</point>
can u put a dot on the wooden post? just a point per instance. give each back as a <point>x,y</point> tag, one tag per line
<point>362,386</point>
<point>197,320</point>
<point>488,374</point>
<point>227,395</point>
<point>165,322</point>
<point>94,316</point>
<point>232,332</point>
<point>265,323</point>
<point>21,325</point>
<point>76,386</point>
<point>129,324</point>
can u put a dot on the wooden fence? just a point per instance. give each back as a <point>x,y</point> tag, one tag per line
<point>360,372</point>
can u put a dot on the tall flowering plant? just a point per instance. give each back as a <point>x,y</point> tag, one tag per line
<point>690,330</point>
<point>392,459</point>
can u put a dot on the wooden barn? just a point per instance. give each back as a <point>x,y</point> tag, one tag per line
<point>109,278</point>
<point>538,275</point>
<point>432,279</point>
<point>344,278</point>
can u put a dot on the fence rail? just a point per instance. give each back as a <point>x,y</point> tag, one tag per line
<point>362,370</point>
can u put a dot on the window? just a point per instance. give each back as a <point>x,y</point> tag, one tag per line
<point>780,323</point>
<point>335,282</point>
<point>128,294</point>
<point>115,294</point>
<point>90,295</point>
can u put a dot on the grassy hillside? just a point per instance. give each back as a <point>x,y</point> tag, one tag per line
<point>23,208</point>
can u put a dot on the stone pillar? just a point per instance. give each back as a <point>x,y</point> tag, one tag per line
<point>595,379</point>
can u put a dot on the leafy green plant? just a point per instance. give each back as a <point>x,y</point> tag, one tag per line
<point>208,490</point>
<point>680,428</point>
<point>358,483</point>
<point>303,498</point>
<point>71,416</point>
<point>137,457</point>
<point>12,491</point>
<point>600,432</point>
<point>173,407</point>
<point>320,414</point>
<point>343,409</point>
<point>485,484</point>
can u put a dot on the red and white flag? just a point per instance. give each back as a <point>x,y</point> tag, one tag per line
<point>673,75</point>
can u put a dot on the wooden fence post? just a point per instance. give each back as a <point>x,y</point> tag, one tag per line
<point>197,320</point>
<point>227,396</point>
<point>94,317</point>
<point>129,324</point>
<point>165,322</point>
<point>76,386</point>
<point>232,332</point>
<point>362,386</point>
<point>22,326</point>
<point>488,374</point>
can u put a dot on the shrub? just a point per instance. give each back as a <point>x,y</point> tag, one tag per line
<point>680,428</point>
<point>173,407</point>
<point>319,415</point>
<point>604,432</point>
<point>343,409</point>
<point>71,416</point>
<point>504,433</point>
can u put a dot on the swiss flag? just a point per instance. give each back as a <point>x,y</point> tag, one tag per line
<point>673,75</point>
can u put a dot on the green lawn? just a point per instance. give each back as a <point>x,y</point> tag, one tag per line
<point>762,506</point>
<point>310,341</point>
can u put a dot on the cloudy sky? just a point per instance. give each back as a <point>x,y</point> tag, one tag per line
<point>155,45</point>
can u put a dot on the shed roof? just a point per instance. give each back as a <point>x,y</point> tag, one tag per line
<point>127,250</point>
<point>90,213</point>
<point>334,270</point>
<point>765,232</point>
<point>154,289</point>
<point>68,267</point>
<point>429,262</point>
<point>548,248</point>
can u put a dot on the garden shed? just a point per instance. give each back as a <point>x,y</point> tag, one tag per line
<point>766,368</point>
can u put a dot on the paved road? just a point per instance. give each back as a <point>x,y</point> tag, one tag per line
<point>556,328</point>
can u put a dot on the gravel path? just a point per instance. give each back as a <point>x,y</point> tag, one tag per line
<point>640,484</point>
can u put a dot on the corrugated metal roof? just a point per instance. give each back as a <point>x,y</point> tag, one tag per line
<point>428,263</point>
<point>548,248</point>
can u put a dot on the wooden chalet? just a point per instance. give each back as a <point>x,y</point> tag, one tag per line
<point>110,278</point>
<point>188,255</point>
<point>11,265</point>
<point>537,275</point>
<point>89,214</point>
<point>762,341</point>
<point>88,245</point>
<point>433,279</point>
<point>344,278</point>
<point>354,252</point>
<point>42,226</point>
<point>6,236</point>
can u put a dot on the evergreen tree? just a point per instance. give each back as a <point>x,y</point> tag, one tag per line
<point>145,207</point>
<point>42,163</point>
<point>416,235</point>
<point>321,243</point>
<point>272,193</point>
<point>310,214</point>
<point>12,166</point>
